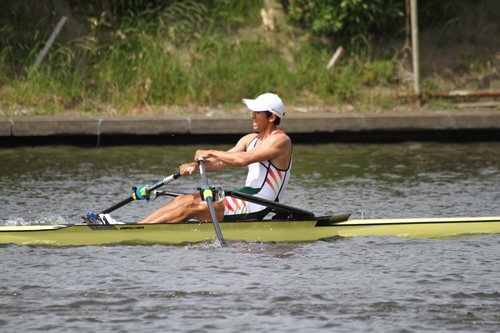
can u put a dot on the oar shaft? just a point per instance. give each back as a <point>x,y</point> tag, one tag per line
<point>210,204</point>
<point>118,205</point>
<point>165,181</point>
<point>269,203</point>
<point>153,187</point>
<point>250,198</point>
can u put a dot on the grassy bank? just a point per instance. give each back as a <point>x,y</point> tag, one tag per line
<point>184,61</point>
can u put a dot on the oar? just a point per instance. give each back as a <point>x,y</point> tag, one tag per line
<point>269,203</point>
<point>250,198</point>
<point>207,195</point>
<point>165,181</point>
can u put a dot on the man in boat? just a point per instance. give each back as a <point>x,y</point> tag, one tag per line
<point>268,155</point>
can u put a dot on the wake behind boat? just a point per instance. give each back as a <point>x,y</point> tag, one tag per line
<point>283,231</point>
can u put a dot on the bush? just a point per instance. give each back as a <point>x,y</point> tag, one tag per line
<point>348,18</point>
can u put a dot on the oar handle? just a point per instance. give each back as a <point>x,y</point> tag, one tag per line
<point>209,199</point>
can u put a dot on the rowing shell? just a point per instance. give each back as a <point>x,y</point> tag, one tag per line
<point>283,231</point>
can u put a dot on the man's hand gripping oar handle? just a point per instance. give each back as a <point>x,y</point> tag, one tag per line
<point>207,195</point>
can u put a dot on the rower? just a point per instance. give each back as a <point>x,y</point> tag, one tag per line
<point>268,156</point>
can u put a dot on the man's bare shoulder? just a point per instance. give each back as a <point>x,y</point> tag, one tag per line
<point>280,138</point>
<point>243,143</point>
<point>247,138</point>
<point>250,136</point>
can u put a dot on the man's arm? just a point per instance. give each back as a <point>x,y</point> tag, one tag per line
<point>276,146</point>
<point>212,163</point>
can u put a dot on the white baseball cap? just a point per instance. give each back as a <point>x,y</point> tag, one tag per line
<point>266,102</point>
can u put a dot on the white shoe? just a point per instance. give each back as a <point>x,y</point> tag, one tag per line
<point>107,219</point>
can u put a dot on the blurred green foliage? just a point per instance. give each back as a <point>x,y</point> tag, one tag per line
<point>119,56</point>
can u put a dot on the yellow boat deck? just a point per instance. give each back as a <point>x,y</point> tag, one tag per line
<point>261,231</point>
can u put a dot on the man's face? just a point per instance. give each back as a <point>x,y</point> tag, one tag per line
<point>260,120</point>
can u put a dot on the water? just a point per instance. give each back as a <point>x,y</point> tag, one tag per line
<point>362,284</point>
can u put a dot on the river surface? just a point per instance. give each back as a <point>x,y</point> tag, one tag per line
<point>361,284</point>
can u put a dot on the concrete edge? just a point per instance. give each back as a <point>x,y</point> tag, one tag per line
<point>5,127</point>
<point>167,125</point>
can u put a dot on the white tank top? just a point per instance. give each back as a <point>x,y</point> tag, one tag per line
<point>268,181</point>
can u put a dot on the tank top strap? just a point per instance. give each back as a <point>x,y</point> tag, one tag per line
<point>253,143</point>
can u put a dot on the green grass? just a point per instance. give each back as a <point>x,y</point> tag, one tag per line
<point>146,71</point>
<point>188,56</point>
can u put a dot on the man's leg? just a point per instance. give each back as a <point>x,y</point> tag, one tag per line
<point>183,208</point>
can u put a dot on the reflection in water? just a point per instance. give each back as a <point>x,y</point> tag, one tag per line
<point>376,181</point>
